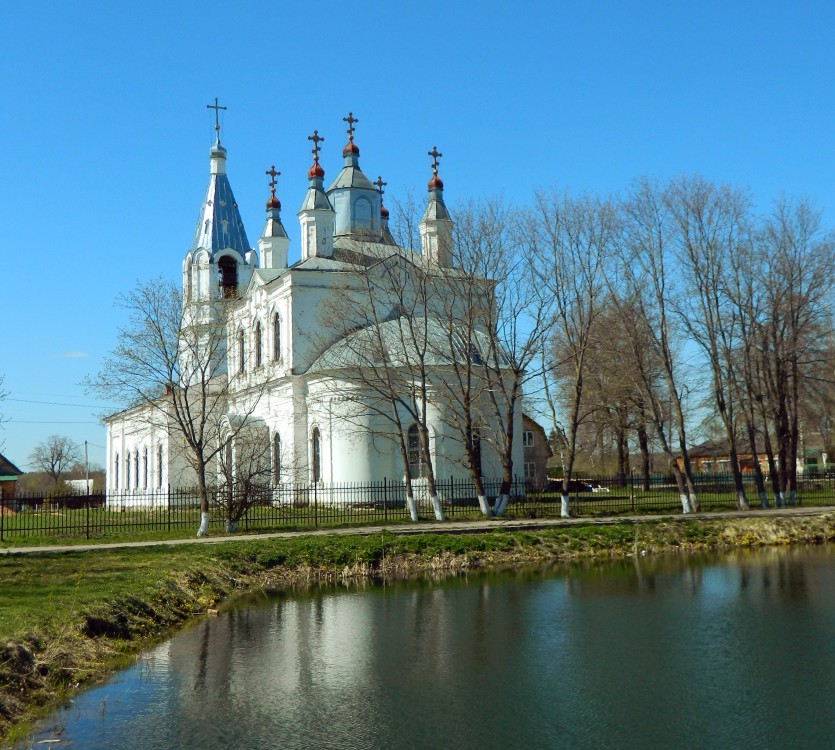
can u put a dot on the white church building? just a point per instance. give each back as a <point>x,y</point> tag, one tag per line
<point>286,367</point>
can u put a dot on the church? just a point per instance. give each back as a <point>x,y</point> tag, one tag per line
<point>301,338</point>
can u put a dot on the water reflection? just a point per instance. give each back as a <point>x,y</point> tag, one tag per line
<point>672,651</point>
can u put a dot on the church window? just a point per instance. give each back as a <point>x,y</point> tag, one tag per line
<point>258,343</point>
<point>188,283</point>
<point>116,471</point>
<point>276,457</point>
<point>159,466</point>
<point>228,276</point>
<point>276,338</point>
<point>145,468</point>
<point>416,467</point>
<point>228,460</point>
<point>127,470</point>
<point>136,468</point>
<point>362,213</point>
<point>316,451</point>
<point>241,352</point>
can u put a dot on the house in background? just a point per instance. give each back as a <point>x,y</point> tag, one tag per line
<point>8,479</point>
<point>536,450</point>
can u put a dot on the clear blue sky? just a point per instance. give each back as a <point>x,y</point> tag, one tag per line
<point>105,132</point>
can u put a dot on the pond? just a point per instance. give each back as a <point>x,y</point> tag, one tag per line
<point>687,652</point>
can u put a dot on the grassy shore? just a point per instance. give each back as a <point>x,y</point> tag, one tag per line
<point>69,619</point>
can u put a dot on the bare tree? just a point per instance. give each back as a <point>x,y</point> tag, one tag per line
<point>245,472</point>
<point>386,350</point>
<point>3,395</point>
<point>55,457</point>
<point>573,241</point>
<point>495,318</point>
<point>797,258</point>
<point>643,274</point>
<point>710,227</point>
<point>170,362</point>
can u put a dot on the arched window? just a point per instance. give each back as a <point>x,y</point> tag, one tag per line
<point>229,459</point>
<point>416,468</point>
<point>228,281</point>
<point>136,469</point>
<point>188,281</point>
<point>241,351</point>
<point>276,457</point>
<point>258,343</point>
<point>316,456</point>
<point>276,338</point>
<point>159,466</point>
<point>127,470</point>
<point>145,468</point>
<point>116,471</point>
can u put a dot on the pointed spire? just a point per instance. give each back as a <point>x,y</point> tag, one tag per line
<point>436,226</point>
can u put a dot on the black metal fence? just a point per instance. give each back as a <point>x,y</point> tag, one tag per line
<point>176,512</point>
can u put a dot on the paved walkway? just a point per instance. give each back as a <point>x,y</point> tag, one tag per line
<point>431,527</point>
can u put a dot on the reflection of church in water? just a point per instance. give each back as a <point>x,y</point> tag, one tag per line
<point>277,344</point>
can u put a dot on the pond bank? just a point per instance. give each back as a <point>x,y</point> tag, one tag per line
<point>69,619</point>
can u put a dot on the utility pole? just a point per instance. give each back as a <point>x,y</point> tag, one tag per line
<point>86,468</point>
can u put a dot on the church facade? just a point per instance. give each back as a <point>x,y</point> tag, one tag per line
<point>301,337</point>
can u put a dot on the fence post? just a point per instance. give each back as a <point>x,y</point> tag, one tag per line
<point>385,499</point>
<point>632,489</point>
<point>315,506</point>
<point>2,516</point>
<point>168,500</point>
<point>87,520</point>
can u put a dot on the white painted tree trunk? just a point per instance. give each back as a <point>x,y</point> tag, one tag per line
<point>484,506</point>
<point>741,501</point>
<point>564,511</point>
<point>778,499</point>
<point>436,506</point>
<point>500,504</point>
<point>412,506</point>
<point>685,503</point>
<point>230,526</point>
<point>763,499</point>
<point>792,497</point>
<point>204,525</point>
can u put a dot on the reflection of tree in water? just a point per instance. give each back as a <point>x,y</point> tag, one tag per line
<point>637,575</point>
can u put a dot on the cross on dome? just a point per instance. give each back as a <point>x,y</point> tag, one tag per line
<point>216,107</point>
<point>350,119</point>
<point>436,183</point>
<point>317,139</point>
<point>435,154</point>
<point>316,170</point>
<point>384,213</point>
<point>273,202</point>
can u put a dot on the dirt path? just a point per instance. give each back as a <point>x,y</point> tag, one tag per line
<point>447,527</point>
